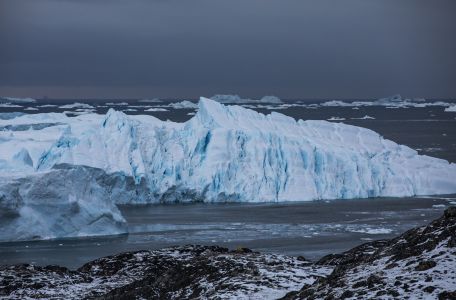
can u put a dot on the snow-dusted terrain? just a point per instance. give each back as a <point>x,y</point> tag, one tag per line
<point>419,264</point>
<point>224,153</point>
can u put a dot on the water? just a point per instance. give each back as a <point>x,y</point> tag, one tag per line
<point>311,229</point>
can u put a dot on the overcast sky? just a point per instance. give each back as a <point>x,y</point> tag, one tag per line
<point>188,48</point>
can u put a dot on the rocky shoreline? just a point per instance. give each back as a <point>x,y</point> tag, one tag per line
<point>419,264</point>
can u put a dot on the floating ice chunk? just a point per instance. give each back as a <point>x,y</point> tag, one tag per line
<point>184,104</point>
<point>156,109</point>
<point>336,119</point>
<point>236,99</point>
<point>49,205</point>
<point>154,100</point>
<point>9,105</point>
<point>117,103</point>
<point>18,100</point>
<point>76,105</point>
<point>366,117</point>
<point>451,108</point>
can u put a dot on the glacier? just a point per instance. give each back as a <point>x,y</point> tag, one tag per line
<point>62,176</point>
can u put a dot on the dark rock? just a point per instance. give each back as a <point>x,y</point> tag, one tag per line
<point>347,294</point>
<point>447,295</point>
<point>429,289</point>
<point>373,280</point>
<point>425,265</point>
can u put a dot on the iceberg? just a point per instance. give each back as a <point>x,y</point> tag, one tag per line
<point>395,101</point>
<point>48,161</point>
<point>77,105</point>
<point>17,100</point>
<point>451,109</point>
<point>67,201</point>
<point>236,99</point>
<point>183,105</point>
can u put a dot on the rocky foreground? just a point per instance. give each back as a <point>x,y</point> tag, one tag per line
<point>419,264</point>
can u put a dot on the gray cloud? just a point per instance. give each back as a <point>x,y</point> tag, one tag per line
<point>292,48</point>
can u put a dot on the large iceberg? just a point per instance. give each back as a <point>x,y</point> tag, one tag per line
<point>224,153</point>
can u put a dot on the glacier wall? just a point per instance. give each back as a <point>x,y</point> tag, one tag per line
<point>224,153</point>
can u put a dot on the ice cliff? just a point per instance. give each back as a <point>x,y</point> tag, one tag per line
<point>224,153</point>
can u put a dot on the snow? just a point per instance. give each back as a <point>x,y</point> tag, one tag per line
<point>229,276</point>
<point>451,108</point>
<point>31,108</point>
<point>223,153</point>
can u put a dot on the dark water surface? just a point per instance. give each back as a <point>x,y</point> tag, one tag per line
<point>311,229</point>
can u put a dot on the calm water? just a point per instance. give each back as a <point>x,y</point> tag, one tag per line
<point>311,229</point>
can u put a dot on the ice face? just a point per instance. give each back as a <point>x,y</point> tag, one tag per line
<point>224,153</point>
<point>55,205</point>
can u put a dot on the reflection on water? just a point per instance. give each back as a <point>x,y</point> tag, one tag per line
<point>311,229</point>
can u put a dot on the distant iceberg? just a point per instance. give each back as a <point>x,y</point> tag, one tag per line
<point>236,99</point>
<point>451,108</point>
<point>184,105</point>
<point>76,105</point>
<point>223,153</point>
<point>17,100</point>
<point>395,101</point>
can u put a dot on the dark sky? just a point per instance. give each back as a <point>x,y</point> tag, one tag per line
<point>174,49</point>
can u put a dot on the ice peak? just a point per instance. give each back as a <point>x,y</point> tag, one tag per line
<point>115,119</point>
